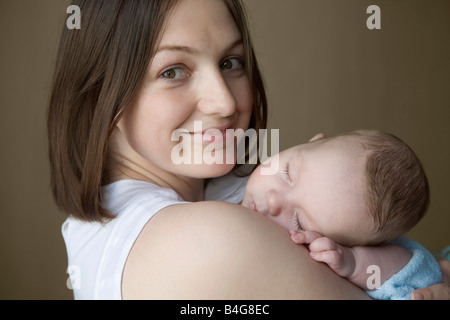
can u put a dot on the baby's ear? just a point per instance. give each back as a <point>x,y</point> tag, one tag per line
<point>317,137</point>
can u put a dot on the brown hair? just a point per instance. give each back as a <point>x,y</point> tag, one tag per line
<point>98,71</point>
<point>397,192</point>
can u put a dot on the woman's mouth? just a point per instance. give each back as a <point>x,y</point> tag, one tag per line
<point>214,134</point>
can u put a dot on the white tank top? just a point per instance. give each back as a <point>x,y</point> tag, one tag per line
<point>97,252</point>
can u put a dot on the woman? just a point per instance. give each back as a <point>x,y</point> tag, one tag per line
<point>135,73</point>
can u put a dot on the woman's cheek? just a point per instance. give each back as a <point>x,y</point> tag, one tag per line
<point>243,96</point>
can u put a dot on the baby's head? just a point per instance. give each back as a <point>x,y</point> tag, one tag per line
<point>364,187</point>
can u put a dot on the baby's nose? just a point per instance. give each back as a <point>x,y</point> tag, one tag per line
<point>274,202</point>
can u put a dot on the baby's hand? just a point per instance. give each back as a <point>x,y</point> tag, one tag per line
<point>340,259</point>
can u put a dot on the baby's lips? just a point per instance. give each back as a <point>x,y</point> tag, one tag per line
<point>252,206</point>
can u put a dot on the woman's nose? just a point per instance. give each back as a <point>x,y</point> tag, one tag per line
<point>216,97</point>
<point>274,202</point>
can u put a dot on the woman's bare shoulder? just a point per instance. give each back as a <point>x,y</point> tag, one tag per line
<point>216,250</point>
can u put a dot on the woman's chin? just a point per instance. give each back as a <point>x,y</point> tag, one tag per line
<point>205,171</point>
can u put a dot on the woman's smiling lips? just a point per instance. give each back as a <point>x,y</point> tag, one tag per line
<point>212,133</point>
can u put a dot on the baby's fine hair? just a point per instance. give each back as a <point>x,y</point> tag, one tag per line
<point>397,192</point>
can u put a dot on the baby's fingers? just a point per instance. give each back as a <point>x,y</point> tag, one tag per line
<point>323,244</point>
<point>325,250</point>
<point>332,258</point>
<point>304,237</point>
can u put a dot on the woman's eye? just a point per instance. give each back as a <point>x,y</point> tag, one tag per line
<point>173,74</point>
<point>231,64</point>
<point>169,74</point>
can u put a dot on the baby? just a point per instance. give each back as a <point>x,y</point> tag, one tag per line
<point>346,197</point>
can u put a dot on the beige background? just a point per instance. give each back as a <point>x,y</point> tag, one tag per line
<point>324,70</point>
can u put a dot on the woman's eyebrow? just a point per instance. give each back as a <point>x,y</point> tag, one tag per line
<point>194,51</point>
<point>177,48</point>
<point>234,44</point>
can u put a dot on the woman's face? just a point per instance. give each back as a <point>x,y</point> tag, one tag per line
<point>196,81</point>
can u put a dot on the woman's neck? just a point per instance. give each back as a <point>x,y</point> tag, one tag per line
<point>189,189</point>
<point>127,164</point>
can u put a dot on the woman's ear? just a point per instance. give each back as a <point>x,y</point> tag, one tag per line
<point>317,137</point>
